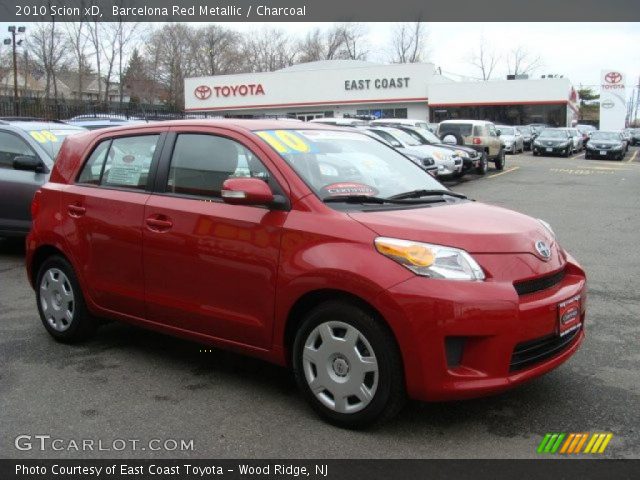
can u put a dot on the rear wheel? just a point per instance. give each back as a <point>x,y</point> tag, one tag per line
<point>60,302</point>
<point>348,365</point>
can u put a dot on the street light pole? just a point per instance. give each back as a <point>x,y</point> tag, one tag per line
<point>13,30</point>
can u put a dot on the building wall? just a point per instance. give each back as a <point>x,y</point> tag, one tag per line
<point>311,87</point>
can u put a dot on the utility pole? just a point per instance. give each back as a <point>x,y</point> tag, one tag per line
<point>12,41</point>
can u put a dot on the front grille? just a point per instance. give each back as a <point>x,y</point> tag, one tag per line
<point>540,283</point>
<point>531,352</point>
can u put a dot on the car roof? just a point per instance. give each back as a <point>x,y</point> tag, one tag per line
<point>29,125</point>
<point>473,122</point>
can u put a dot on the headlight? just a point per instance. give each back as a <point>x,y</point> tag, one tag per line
<point>427,260</point>
<point>537,143</point>
<point>564,144</point>
<point>548,227</point>
<point>413,158</point>
<point>617,147</point>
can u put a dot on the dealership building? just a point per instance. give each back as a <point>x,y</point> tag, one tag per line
<point>348,88</point>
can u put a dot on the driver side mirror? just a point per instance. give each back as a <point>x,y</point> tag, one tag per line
<point>246,191</point>
<point>29,163</point>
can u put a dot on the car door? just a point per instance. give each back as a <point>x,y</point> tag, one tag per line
<point>17,187</point>
<point>103,213</point>
<point>211,267</point>
<point>494,140</point>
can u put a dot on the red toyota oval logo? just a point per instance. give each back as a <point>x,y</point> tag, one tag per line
<point>613,77</point>
<point>202,92</point>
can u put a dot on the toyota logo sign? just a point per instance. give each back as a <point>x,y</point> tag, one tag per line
<point>202,92</point>
<point>613,77</point>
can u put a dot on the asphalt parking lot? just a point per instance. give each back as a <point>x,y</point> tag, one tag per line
<point>133,384</point>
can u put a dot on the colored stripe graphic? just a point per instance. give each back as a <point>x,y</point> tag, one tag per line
<point>572,443</point>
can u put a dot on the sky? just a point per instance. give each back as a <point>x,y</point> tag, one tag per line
<point>579,51</point>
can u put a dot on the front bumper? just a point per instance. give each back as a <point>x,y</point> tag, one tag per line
<point>608,153</point>
<point>550,150</point>
<point>459,339</point>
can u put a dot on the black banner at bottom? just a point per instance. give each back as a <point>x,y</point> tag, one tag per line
<point>317,469</point>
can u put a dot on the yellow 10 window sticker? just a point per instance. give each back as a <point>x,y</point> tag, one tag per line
<point>43,136</point>
<point>286,141</point>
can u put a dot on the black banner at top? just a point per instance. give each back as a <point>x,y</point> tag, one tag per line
<point>319,10</point>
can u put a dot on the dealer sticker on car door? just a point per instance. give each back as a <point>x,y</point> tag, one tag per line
<point>569,315</point>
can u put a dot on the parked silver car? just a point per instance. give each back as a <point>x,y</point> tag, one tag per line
<point>511,138</point>
<point>27,152</point>
<point>576,139</point>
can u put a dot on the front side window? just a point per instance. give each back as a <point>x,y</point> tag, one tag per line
<point>339,163</point>
<point>12,146</point>
<point>201,163</point>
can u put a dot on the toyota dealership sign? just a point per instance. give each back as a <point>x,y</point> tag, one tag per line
<point>613,100</point>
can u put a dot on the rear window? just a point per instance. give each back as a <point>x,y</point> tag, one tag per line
<point>463,129</point>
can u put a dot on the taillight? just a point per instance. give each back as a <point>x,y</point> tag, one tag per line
<point>35,204</point>
<point>477,141</point>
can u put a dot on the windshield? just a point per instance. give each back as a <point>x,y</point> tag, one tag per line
<point>525,130</point>
<point>430,137</point>
<point>605,136</point>
<point>506,131</point>
<point>549,133</point>
<point>403,136</point>
<point>335,163</point>
<point>51,140</point>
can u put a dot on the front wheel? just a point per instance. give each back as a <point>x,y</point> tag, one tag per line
<point>348,365</point>
<point>482,168</point>
<point>500,160</point>
<point>60,302</point>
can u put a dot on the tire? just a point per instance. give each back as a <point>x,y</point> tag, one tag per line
<point>500,160</point>
<point>567,152</point>
<point>587,157</point>
<point>484,165</point>
<point>332,369</point>
<point>60,302</point>
<point>459,139</point>
<point>513,149</point>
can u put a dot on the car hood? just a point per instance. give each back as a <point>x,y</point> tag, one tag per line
<point>439,155</point>
<point>472,226</point>
<point>605,142</point>
<point>552,141</point>
<point>508,138</point>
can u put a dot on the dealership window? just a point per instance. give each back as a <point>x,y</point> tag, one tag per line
<point>384,113</point>
<point>201,163</point>
<point>554,114</point>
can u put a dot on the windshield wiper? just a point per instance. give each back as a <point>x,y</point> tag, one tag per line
<point>379,200</point>
<point>425,193</point>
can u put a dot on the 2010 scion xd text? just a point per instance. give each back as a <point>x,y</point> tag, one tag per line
<point>310,246</point>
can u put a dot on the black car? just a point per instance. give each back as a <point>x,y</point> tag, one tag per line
<point>472,160</point>
<point>527,136</point>
<point>635,136</point>
<point>553,141</point>
<point>609,145</point>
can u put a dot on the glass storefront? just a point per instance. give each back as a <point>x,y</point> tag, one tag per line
<point>384,112</point>
<point>554,114</point>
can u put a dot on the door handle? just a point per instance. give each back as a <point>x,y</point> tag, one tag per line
<point>76,210</point>
<point>159,224</point>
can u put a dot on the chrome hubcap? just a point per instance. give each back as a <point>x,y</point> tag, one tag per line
<point>56,299</point>
<point>340,367</point>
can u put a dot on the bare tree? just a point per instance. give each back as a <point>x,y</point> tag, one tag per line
<point>78,38</point>
<point>268,50</point>
<point>408,42</point>
<point>126,34</point>
<point>354,37</point>
<point>49,51</point>
<point>521,62</point>
<point>484,58</point>
<point>216,50</point>
<point>323,45</point>
<point>94,28</point>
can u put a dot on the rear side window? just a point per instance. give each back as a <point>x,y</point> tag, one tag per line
<point>121,162</point>
<point>201,163</point>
